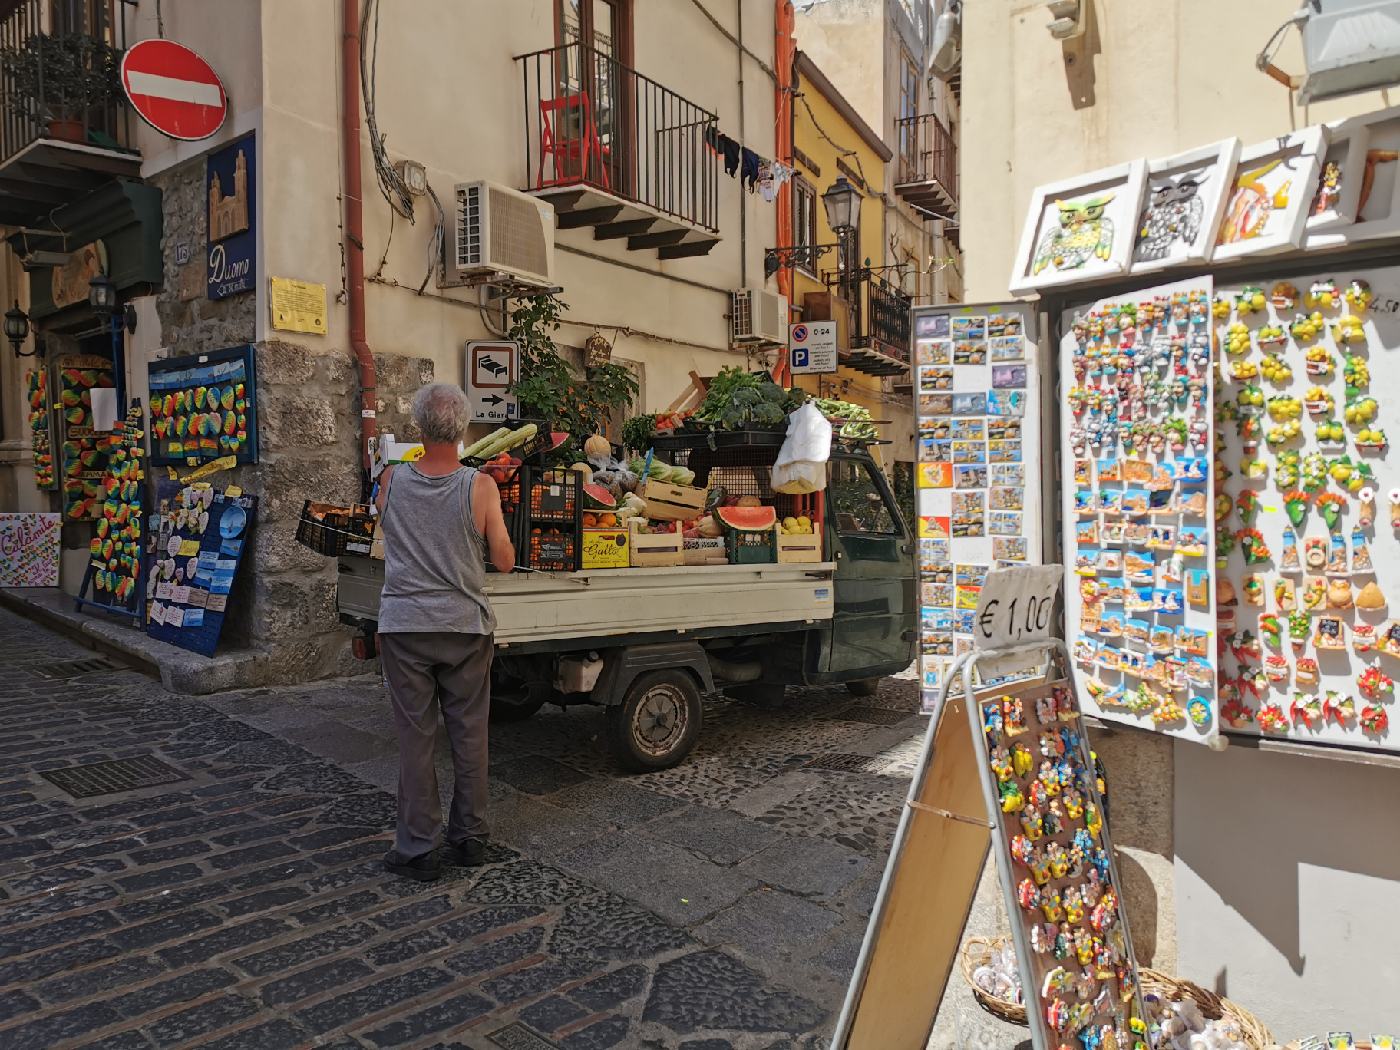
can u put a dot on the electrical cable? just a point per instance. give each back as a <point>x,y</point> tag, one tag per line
<point>735,40</point>
<point>391,183</point>
<point>435,242</point>
<point>841,151</point>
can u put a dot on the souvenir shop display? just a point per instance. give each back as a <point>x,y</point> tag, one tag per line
<point>112,580</point>
<point>198,538</point>
<point>40,436</point>
<point>1182,206</point>
<point>203,407</point>
<point>1308,603</point>
<point>1369,185</point>
<point>1268,201</point>
<point>84,461</point>
<point>977,392</point>
<point>1138,493</point>
<point>29,549</point>
<point>1067,915</point>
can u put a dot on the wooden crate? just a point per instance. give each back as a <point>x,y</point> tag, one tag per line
<point>799,548</point>
<point>606,549</point>
<point>705,551</point>
<point>672,502</point>
<point>652,551</point>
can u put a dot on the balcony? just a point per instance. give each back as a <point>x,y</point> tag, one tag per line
<point>878,330</point>
<point>615,151</point>
<point>65,128</point>
<point>926,166</point>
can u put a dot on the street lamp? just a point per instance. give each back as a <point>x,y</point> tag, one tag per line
<point>842,204</point>
<point>17,330</point>
<point>102,295</point>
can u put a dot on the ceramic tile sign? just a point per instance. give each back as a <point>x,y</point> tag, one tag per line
<point>203,407</point>
<point>29,549</point>
<point>1307,515</point>
<point>1056,864</point>
<point>976,392</point>
<point>199,538</point>
<point>1267,203</point>
<point>1136,418</point>
<point>1182,206</point>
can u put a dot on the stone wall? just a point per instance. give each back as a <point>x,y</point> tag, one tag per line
<point>283,605</point>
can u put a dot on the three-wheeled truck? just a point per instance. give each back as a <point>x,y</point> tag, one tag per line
<point>648,643</point>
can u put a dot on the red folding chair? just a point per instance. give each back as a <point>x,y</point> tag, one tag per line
<point>571,153</point>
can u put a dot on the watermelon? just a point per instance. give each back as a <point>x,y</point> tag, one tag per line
<point>598,497</point>
<point>747,519</point>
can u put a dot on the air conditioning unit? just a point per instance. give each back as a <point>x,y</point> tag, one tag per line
<point>498,234</point>
<point>758,316</point>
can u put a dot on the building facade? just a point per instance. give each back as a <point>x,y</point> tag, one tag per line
<point>594,108</point>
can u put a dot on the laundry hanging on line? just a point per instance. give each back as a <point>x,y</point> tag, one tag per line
<point>758,174</point>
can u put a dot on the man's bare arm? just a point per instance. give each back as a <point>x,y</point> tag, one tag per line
<point>486,501</point>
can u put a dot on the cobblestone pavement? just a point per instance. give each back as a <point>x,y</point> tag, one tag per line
<point>717,905</point>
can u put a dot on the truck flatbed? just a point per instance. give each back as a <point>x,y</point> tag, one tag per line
<point>533,607</point>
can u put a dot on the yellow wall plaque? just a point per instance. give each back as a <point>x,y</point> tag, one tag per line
<point>298,306</point>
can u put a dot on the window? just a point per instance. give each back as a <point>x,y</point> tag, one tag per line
<point>804,222</point>
<point>908,111</point>
<point>858,503</point>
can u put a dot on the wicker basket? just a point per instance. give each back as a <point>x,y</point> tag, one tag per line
<point>979,950</point>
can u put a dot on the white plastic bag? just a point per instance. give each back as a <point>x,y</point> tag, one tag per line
<point>801,464</point>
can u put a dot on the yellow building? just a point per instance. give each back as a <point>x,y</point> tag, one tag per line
<point>845,281</point>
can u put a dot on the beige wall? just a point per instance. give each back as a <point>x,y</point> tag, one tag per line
<point>449,96</point>
<point>1146,80</point>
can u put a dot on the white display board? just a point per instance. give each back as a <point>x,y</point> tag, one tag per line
<point>1137,490</point>
<point>1309,627</point>
<point>977,396</point>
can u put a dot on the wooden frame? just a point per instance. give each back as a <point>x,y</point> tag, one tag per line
<point>1124,183</point>
<point>1214,164</point>
<point>1377,211</point>
<point>1284,167</point>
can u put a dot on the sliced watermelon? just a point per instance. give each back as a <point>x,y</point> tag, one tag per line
<point>747,519</point>
<point>598,497</point>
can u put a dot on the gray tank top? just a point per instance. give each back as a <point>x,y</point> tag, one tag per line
<point>434,556</point>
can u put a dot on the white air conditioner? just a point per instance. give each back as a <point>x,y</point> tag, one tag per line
<point>498,234</point>
<point>758,316</point>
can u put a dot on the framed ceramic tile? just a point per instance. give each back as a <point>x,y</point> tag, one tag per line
<point>1378,206</point>
<point>1182,205</point>
<point>1337,191</point>
<point>1266,207</point>
<point>1080,228</point>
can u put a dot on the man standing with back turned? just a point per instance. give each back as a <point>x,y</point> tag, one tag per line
<point>439,519</point>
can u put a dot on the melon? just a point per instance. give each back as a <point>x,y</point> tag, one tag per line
<point>746,519</point>
<point>749,501</point>
<point>598,497</point>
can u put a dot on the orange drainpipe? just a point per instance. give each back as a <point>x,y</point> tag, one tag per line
<point>784,54</point>
<point>355,228</point>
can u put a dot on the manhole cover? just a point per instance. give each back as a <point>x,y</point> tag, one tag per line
<point>518,1037</point>
<point>76,668</point>
<point>841,762</point>
<point>108,778</point>
<point>872,716</point>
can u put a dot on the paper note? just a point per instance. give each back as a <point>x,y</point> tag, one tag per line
<point>165,590</point>
<point>216,602</point>
<point>175,617</point>
<point>188,548</point>
<point>180,595</point>
<point>157,612</point>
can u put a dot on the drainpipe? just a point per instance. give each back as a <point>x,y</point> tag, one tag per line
<point>743,137</point>
<point>354,228</point>
<point>784,55</point>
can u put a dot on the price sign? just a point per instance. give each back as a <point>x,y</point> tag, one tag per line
<point>1017,606</point>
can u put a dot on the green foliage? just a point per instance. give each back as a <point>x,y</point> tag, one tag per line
<point>638,431</point>
<point>60,75</point>
<point>550,388</point>
<point>737,399</point>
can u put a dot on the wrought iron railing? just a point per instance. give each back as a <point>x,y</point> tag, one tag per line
<point>879,310</point>
<point>591,121</point>
<point>59,73</point>
<point>926,153</point>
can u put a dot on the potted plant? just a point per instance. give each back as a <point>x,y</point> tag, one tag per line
<point>53,79</point>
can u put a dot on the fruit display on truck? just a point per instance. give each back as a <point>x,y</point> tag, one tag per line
<point>651,576</point>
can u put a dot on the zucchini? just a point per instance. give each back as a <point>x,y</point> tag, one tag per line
<point>474,450</point>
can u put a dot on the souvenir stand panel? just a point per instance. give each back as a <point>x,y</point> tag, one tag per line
<point>203,407</point>
<point>979,497</point>
<point>1136,412</point>
<point>1308,511</point>
<point>84,460</point>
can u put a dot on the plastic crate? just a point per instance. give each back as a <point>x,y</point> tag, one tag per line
<point>751,546</point>
<point>554,495</point>
<point>552,548</point>
<point>330,529</point>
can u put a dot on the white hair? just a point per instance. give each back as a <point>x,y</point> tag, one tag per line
<point>440,410</point>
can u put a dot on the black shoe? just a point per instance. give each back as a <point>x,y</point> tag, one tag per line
<point>424,868</point>
<point>470,853</point>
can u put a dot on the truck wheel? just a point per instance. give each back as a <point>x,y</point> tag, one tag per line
<point>512,702</point>
<point>864,686</point>
<point>657,723</point>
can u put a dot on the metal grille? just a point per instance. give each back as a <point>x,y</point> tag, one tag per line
<point>518,1037</point>
<point>76,668</point>
<point>109,778</point>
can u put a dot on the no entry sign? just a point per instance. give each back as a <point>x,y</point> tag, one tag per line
<point>174,90</point>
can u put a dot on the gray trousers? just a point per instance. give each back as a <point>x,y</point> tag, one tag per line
<point>455,670</point>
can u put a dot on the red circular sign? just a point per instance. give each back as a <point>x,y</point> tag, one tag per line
<point>174,90</point>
